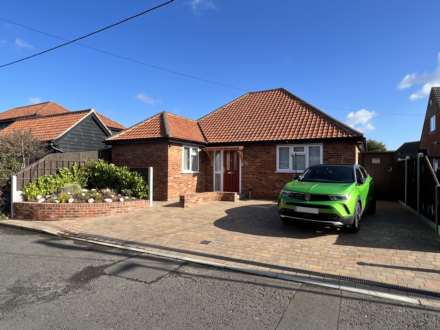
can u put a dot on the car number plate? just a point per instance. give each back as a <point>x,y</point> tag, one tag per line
<point>307,210</point>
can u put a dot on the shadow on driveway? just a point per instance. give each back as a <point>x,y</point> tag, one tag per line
<point>391,228</point>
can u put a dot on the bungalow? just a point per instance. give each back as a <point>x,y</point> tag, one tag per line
<point>252,146</point>
<point>430,139</point>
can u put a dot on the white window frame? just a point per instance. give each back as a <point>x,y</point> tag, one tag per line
<point>432,124</point>
<point>218,171</point>
<point>191,149</point>
<point>306,152</point>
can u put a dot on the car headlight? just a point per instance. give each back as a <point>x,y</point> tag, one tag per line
<point>339,197</point>
<point>285,193</point>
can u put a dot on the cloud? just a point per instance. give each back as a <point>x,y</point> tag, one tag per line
<point>425,81</point>
<point>361,120</point>
<point>20,43</point>
<point>35,100</point>
<point>147,99</point>
<point>200,5</point>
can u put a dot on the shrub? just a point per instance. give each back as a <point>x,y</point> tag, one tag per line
<point>71,188</point>
<point>102,175</point>
<point>94,175</point>
<point>46,185</point>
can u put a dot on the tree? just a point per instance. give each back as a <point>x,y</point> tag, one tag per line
<point>17,150</point>
<point>373,145</point>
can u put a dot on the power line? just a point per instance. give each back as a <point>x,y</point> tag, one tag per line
<point>126,58</point>
<point>69,42</point>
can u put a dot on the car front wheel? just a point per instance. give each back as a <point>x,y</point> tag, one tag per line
<point>355,226</point>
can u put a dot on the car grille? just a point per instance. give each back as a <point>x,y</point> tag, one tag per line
<point>309,197</point>
<point>320,216</point>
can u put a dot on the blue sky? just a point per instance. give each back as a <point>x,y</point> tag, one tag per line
<point>367,63</point>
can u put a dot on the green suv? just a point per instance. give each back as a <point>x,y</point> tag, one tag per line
<point>333,195</point>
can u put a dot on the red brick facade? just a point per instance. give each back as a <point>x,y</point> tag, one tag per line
<point>183,183</point>
<point>259,175</point>
<point>143,155</point>
<point>429,141</point>
<point>53,212</point>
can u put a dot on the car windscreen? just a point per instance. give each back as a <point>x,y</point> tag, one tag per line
<point>339,174</point>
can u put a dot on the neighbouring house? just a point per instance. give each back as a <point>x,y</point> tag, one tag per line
<point>65,131</point>
<point>408,149</point>
<point>430,139</point>
<point>44,109</point>
<point>252,146</point>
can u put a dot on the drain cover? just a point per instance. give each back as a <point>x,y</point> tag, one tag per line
<point>205,242</point>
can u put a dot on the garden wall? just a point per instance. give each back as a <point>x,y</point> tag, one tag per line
<point>54,212</point>
<point>194,199</point>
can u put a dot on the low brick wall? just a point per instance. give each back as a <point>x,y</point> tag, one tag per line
<point>191,200</point>
<point>53,212</point>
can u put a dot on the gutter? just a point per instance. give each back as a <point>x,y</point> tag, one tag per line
<point>54,147</point>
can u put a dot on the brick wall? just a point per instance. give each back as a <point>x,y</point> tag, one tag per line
<point>429,140</point>
<point>340,153</point>
<point>183,183</point>
<point>142,155</point>
<point>259,171</point>
<point>53,212</point>
<point>191,200</point>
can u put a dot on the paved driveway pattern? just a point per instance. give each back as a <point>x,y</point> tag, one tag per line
<point>392,248</point>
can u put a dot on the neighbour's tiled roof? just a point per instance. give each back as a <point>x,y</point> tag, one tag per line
<point>163,125</point>
<point>110,123</point>
<point>271,115</point>
<point>47,128</point>
<point>46,109</point>
<point>40,109</point>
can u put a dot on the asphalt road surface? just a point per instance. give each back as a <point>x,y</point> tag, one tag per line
<point>52,283</point>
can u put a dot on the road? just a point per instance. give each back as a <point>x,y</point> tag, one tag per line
<point>52,283</point>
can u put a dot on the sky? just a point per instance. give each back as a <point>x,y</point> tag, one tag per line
<point>369,64</point>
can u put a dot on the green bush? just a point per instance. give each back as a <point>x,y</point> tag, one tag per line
<point>102,175</point>
<point>71,188</point>
<point>95,174</point>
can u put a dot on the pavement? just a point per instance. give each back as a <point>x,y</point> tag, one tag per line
<point>393,250</point>
<point>49,282</point>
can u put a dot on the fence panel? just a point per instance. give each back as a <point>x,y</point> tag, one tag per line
<point>427,190</point>
<point>411,188</point>
<point>51,163</point>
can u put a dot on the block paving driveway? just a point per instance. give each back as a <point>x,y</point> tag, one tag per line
<point>393,246</point>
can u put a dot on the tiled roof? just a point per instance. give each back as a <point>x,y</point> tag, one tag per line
<point>46,109</point>
<point>163,125</point>
<point>147,129</point>
<point>183,128</point>
<point>47,128</point>
<point>109,122</point>
<point>40,109</point>
<point>269,116</point>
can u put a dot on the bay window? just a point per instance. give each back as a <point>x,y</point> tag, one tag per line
<point>296,158</point>
<point>190,159</point>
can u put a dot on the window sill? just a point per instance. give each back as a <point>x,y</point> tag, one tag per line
<point>289,172</point>
<point>190,172</point>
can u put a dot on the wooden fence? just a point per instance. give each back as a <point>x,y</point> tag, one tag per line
<point>51,163</point>
<point>421,191</point>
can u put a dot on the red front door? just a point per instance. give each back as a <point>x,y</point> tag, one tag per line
<point>231,167</point>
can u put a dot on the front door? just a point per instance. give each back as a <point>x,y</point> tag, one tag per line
<point>231,174</point>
